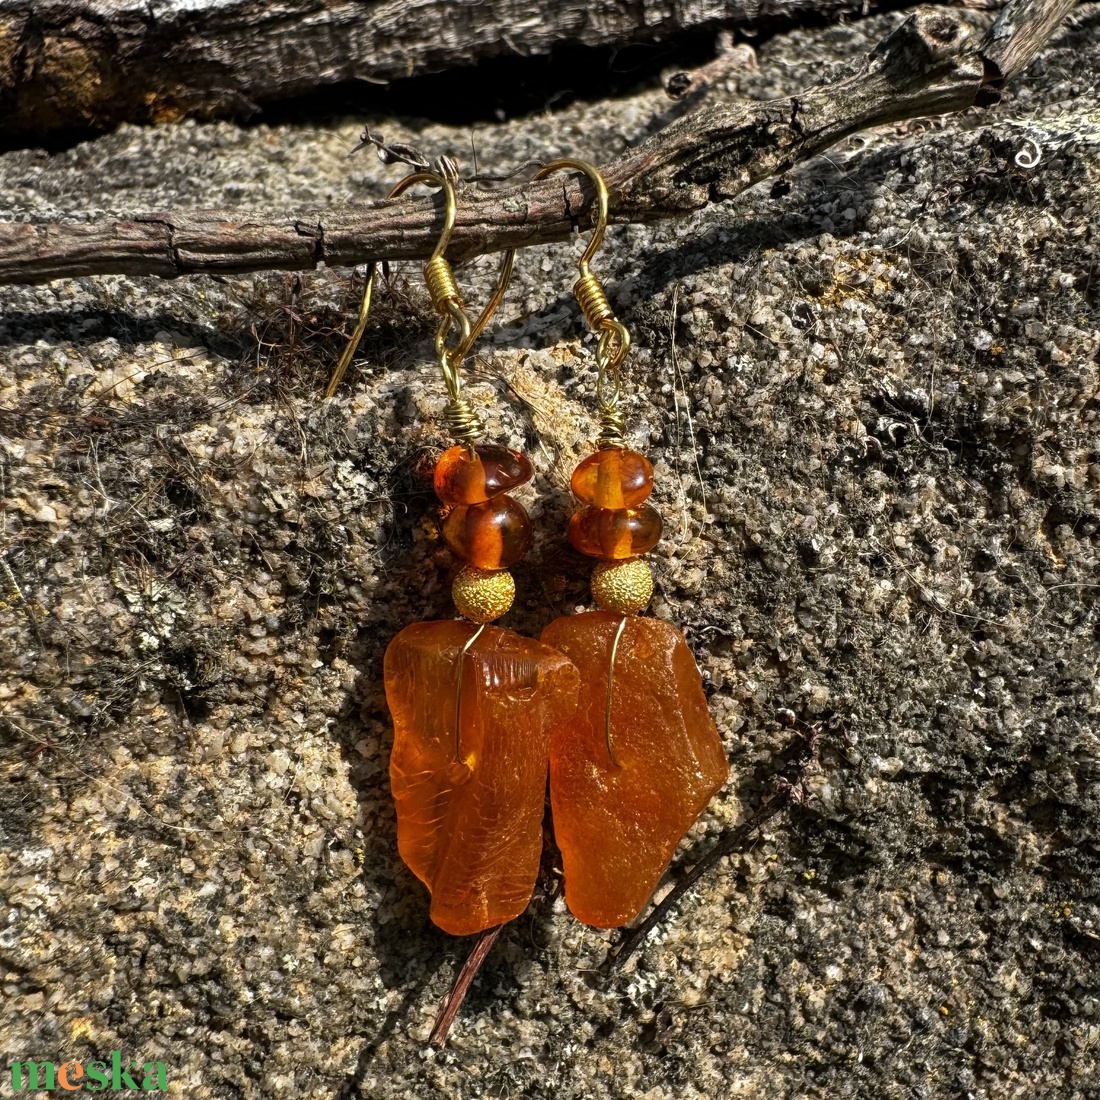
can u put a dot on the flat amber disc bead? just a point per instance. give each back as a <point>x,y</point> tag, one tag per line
<point>471,829</point>
<point>613,478</point>
<point>618,825</point>
<point>493,535</point>
<point>462,478</point>
<point>613,533</point>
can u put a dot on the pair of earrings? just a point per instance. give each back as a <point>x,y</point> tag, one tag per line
<point>609,702</point>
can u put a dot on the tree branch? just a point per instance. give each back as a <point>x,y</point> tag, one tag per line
<point>94,63</point>
<point>928,66</point>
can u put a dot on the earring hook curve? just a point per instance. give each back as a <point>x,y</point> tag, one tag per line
<point>442,287</point>
<point>614,338</point>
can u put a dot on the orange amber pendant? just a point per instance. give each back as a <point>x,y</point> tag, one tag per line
<point>469,808</point>
<point>618,821</point>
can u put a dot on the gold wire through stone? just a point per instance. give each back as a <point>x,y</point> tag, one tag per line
<point>483,595</point>
<point>610,688</point>
<point>461,663</point>
<point>622,586</point>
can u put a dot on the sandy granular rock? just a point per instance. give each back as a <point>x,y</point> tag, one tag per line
<point>872,404</point>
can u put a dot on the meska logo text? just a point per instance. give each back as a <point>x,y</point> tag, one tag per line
<point>93,1077</point>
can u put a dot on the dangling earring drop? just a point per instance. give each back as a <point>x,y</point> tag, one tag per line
<point>474,706</point>
<point>642,758</point>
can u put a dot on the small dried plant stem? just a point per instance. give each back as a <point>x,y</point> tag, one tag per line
<point>788,791</point>
<point>733,841</point>
<point>448,1010</point>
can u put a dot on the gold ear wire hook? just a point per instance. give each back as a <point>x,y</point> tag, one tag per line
<point>614,339</point>
<point>447,300</point>
<point>503,279</point>
<point>356,336</point>
<point>441,284</point>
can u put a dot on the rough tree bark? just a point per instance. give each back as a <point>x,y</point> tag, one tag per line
<point>66,64</point>
<point>928,66</point>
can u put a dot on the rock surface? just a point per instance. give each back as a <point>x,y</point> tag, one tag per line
<point>872,403</point>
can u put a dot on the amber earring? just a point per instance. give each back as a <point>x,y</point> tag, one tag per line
<point>642,758</point>
<point>474,706</point>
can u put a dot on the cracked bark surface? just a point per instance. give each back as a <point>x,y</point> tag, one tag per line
<point>66,64</point>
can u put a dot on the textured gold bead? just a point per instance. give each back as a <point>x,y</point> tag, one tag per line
<point>622,586</point>
<point>483,594</point>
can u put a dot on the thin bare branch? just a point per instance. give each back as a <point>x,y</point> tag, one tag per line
<point>928,66</point>
<point>788,791</point>
<point>448,1010</point>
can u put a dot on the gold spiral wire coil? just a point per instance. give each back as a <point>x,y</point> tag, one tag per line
<point>441,284</point>
<point>593,301</point>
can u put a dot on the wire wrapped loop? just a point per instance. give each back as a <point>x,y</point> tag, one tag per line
<point>462,421</point>
<point>612,427</point>
<point>610,353</point>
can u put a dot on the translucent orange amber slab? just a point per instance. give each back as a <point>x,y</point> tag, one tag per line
<point>618,826</point>
<point>615,477</point>
<point>471,829</point>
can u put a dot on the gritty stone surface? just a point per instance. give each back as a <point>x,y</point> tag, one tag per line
<point>873,407</point>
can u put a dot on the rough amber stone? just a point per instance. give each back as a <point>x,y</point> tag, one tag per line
<point>464,479</point>
<point>471,828</point>
<point>614,533</point>
<point>613,478</point>
<point>493,535</point>
<point>617,825</point>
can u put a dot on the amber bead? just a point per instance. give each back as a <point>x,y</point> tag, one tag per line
<point>614,533</point>
<point>493,535</point>
<point>618,822</point>
<point>613,478</point>
<point>462,478</point>
<point>471,828</point>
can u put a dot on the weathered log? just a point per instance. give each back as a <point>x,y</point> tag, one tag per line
<point>928,66</point>
<point>92,63</point>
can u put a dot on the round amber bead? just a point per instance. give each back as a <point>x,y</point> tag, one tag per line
<point>492,535</point>
<point>462,478</point>
<point>613,478</point>
<point>614,533</point>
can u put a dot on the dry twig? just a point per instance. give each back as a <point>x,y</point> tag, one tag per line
<point>928,66</point>
<point>789,791</point>
<point>448,1010</point>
